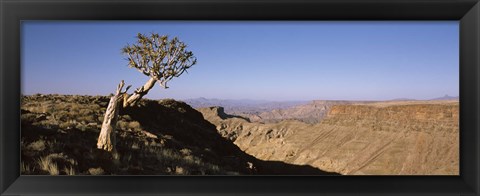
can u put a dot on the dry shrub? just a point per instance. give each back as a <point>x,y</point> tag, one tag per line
<point>29,117</point>
<point>135,146</point>
<point>180,170</point>
<point>62,115</point>
<point>100,119</point>
<point>127,117</point>
<point>186,151</point>
<point>134,125</point>
<point>81,127</point>
<point>122,125</point>
<point>88,118</point>
<point>96,171</point>
<point>38,145</point>
<point>73,108</point>
<point>66,125</point>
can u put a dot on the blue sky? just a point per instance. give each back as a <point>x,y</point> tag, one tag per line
<point>269,60</point>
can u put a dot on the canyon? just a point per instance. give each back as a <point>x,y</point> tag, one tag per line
<point>354,138</point>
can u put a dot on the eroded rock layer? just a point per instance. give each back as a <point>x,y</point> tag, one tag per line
<point>381,138</point>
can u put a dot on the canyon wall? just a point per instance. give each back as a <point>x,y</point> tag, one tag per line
<point>381,138</point>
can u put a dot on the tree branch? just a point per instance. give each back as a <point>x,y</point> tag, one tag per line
<point>139,93</point>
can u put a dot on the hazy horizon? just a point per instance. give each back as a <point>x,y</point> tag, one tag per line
<point>259,100</point>
<point>272,61</point>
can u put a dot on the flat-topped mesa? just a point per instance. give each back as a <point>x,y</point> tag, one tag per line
<point>442,115</point>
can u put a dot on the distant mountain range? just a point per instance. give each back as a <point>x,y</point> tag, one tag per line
<point>242,106</point>
<point>403,99</point>
<point>204,102</point>
<point>265,105</point>
<point>270,111</point>
<point>446,97</point>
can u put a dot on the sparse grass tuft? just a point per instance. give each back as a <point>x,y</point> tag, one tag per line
<point>53,169</point>
<point>46,164</point>
<point>69,171</point>
<point>26,169</point>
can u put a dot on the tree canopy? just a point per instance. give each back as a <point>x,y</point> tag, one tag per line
<point>159,57</point>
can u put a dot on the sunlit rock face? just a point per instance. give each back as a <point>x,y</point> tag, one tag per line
<point>370,138</point>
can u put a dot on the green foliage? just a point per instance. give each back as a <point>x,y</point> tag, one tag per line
<point>159,57</point>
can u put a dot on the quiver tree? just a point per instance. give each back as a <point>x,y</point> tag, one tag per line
<point>159,58</point>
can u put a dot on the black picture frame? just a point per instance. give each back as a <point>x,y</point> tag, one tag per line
<point>12,12</point>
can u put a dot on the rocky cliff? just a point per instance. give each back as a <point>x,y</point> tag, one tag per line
<point>381,138</point>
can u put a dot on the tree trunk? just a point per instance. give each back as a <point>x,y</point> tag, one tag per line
<point>139,93</point>
<point>106,139</point>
